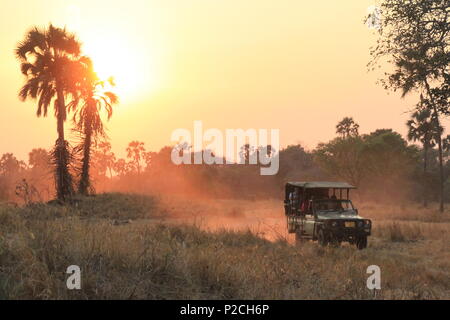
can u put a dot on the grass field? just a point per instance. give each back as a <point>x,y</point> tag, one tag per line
<point>138,247</point>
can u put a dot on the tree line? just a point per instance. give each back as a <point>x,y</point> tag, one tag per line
<point>382,164</point>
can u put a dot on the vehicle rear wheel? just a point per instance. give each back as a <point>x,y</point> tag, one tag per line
<point>323,241</point>
<point>292,227</point>
<point>361,242</point>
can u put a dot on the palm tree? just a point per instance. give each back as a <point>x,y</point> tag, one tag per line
<point>347,127</point>
<point>47,57</point>
<point>421,127</point>
<point>87,117</point>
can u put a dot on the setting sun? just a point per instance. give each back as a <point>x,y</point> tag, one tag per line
<point>122,63</point>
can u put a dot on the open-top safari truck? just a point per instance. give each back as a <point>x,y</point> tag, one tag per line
<point>323,211</point>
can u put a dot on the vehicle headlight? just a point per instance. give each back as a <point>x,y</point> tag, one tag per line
<point>367,223</point>
<point>334,224</point>
<point>360,224</point>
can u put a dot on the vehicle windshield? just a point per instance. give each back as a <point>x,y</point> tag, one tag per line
<point>333,205</point>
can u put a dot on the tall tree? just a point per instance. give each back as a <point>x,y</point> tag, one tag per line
<point>414,36</point>
<point>365,161</point>
<point>87,118</point>
<point>121,167</point>
<point>40,172</point>
<point>105,158</point>
<point>9,165</point>
<point>245,153</point>
<point>47,60</point>
<point>343,158</point>
<point>422,129</point>
<point>347,127</point>
<point>38,159</point>
<point>11,172</point>
<point>136,152</point>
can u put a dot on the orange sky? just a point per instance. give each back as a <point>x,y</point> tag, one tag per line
<point>298,66</point>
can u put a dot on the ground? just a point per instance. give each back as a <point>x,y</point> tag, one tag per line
<point>141,247</point>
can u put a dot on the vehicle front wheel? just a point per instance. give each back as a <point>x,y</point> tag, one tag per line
<point>322,238</point>
<point>361,242</point>
<point>335,242</point>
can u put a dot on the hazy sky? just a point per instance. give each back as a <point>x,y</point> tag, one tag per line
<point>299,66</point>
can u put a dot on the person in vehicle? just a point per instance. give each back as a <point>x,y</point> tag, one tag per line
<point>291,197</point>
<point>294,200</point>
<point>303,205</point>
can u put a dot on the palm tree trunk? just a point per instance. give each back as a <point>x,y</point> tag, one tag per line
<point>62,176</point>
<point>85,178</point>
<point>425,162</point>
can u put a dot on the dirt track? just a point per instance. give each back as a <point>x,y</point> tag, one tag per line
<point>265,218</point>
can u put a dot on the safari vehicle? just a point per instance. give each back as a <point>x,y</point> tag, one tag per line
<point>322,211</point>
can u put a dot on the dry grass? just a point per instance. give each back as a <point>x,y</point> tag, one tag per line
<point>400,231</point>
<point>404,212</point>
<point>150,259</point>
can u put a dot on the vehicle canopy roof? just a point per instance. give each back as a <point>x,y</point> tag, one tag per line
<point>320,185</point>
